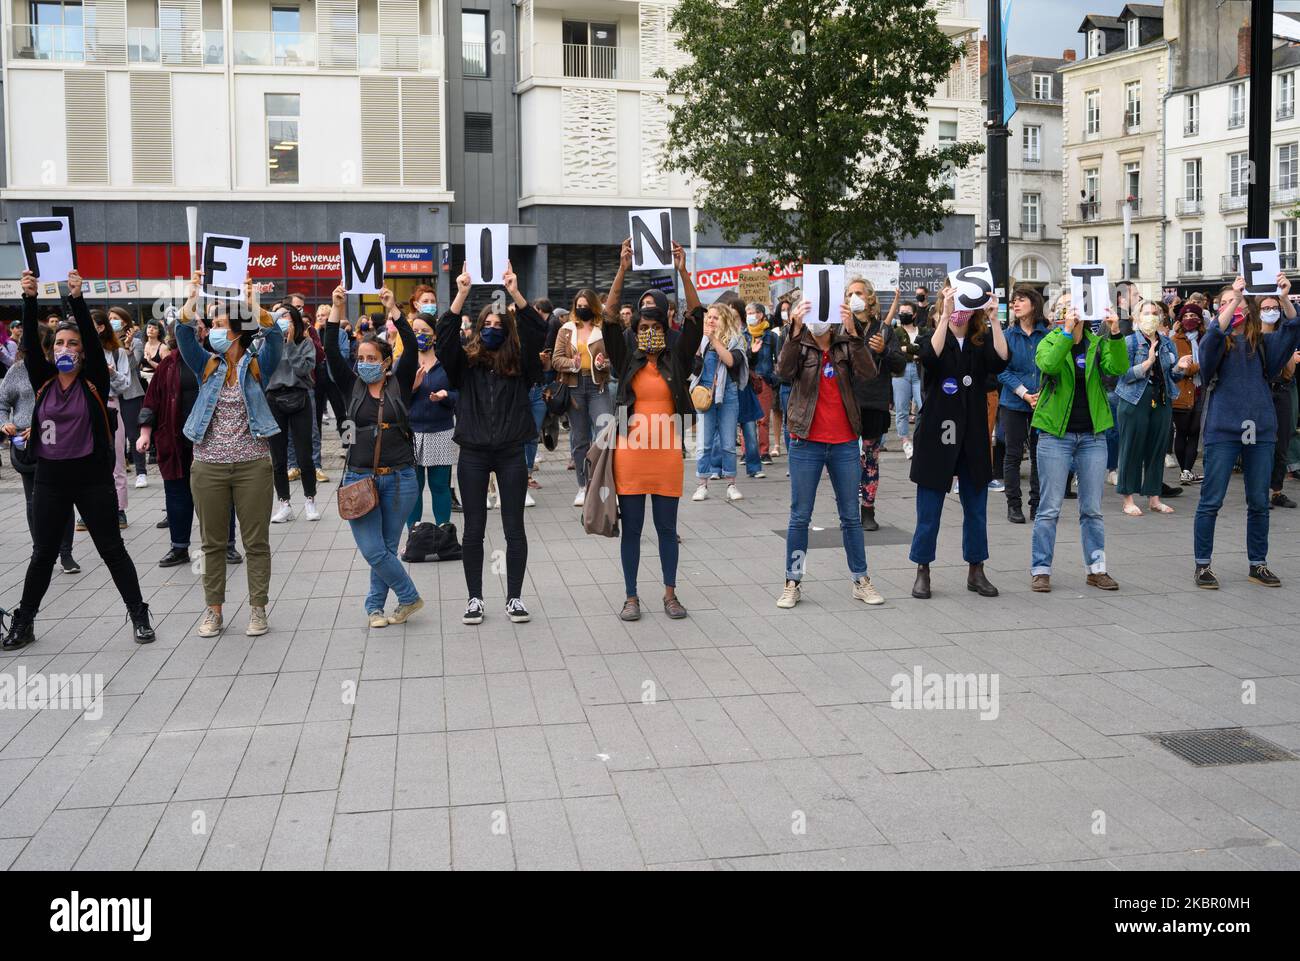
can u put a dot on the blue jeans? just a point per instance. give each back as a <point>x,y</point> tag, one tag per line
<point>1085,456</point>
<point>718,425</point>
<point>907,391</point>
<point>753,461</point>
<point>589,404</point>
<point>539,415</point>
<point>807,460</point>
<point>1112,435</point>
<point>784,394</point>
<point>1257,463</point>
<point>974,524</point>
<point>377,535</point>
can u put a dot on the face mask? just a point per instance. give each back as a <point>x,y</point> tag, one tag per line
<point>905,317</point>
<point>1190,324</point>
<point>115,323</point>
<point>920,298</point>
<point>585,313</point>
<point>650,340</point>
<point>958,322</point>
<point>1269,316</point>
<point>857,304</point>
<point>65,361</point>
<point>492,337</point>
<point>653,313</point>
<point>429,310</point>
<point>364,328</point>
<point>1238,318</point>
<point>424,341</point>
<point>785,313</point>
<point>1148,324</point>
<point>219,340</point>
<point>817,327</point>
<point>751,320</point>
<point>283,324</point>
<point>370,373</point>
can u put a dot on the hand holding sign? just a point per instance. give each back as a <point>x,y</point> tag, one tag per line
<point>365,276</point>
<point>974,286</point>
<point>652,238</point>
<point>1260,265</point>
<point>29,284</point>
<point>487,249</point>
<point>74,283</point>
<point>47,245</point>
<point>1090,291</point>
<point>823,286</point>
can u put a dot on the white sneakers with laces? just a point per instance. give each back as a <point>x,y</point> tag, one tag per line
<point>789,596</point>
<point>141,480</point>
<point>283,513</point>
<point>309,510</point>
<point>581,499</point>
<point>865,591</point>
<point>701,493</point>
<point>734,494</point>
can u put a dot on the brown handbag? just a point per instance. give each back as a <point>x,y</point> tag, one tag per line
<point>359,498</point>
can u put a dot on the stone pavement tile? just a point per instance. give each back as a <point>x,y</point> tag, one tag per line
<point>461,653</point>
<point>87,736</point>
<point>473,768</point>
<point>121,838</point>
<point>230,649</point>
<point>265,766</point>
<point>714,730</point>
<point>306,651</point>
<point>619,739</point>
<point>716,817</point>
<point>635,678</point>
<point>335,695</point>
<point>594,682</point>
<point>214,764</point>
<point>289,699</point>
<point>1273,856</point>
<point>38,794</point>
<point>421,656</point>
<point>540,833</point>
<point>245,701</point>
<point>318,761</point>
<point>42,732</point>
<point>1075,734</point>
<point>197,708</point>
<point>241,834</point>
<point>376,708</point>
<point>467,702</point>
<point>153,707</point>
<point>383,655</point>
<point>862,724</point>
<point>268,654</point>
<point>346,650</point>
<point>1178,861</point>
<point>181,836</point>
<point>669,737</point>
<point>662,830</point>
<point>134,675</point>
<point>1200,697</point>
<point>511,698</point>
<point>60,840</point>
<point>421,777</point>
<point>554,698</point>
<point>369,770</point>
<point>501,654</point>
<point>480,839</point>
<point>1280,782</point>
<point>604,839</point>
<point>757,670</point>
<point>814,730</point>
<point>108,771</point>
<point>539,651</point>
<point>682,866</point>
<point>360,842</point>
<point>762,729</point>
<point>421,840</point>
<point>526,770</point>
<point>422,706</point>
<point>1024,817</point>
<point>157,775</point>
<point>579,770</point>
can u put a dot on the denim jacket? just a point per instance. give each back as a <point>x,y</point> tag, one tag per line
<point>1021,369</point>
<point>1133,381</point>
<point>763,363</point>
<point>267,347</point>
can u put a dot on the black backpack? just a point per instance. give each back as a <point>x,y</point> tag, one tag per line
<point>432,542</point>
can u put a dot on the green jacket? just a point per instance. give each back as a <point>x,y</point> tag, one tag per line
<point>1055,360</point>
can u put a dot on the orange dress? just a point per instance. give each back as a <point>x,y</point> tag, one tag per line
<point>649,459</point>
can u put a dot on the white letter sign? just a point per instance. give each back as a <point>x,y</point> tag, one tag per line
<point>1260,265</point>
<point>823,288</point>
<point>225,264</point>
<point>362,256</point>
<point>47,246</point>
<point>487,248</point>
<point>652,238</point>
<point>974,286</point>
<point>1089,290</point>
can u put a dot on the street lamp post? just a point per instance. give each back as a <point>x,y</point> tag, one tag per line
<point>995,224</point>
<point>1261,123</point>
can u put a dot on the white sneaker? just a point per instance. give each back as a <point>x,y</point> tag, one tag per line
<point>733,494</point>
<point>864,591</point>
<point>701,493</point>
<point>492,501</point>
<point>760,475</point>
<point>141,480</point>
<point>1171,460</point>
<point>790,596</point>
<point>581,498</point>
<point>1112,478</point>
<point>283,513</point>
<point>528,499</point>
<point>907,449</point>
<point>309,510</point>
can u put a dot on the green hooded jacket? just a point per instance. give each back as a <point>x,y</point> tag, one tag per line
<point>1105,355</point>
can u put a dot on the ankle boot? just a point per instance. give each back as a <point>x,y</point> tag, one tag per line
<point>140,623</point>
<point>977,582</point>
<point>20,632</point>
<point>921,589</point>
<point>869,519</point>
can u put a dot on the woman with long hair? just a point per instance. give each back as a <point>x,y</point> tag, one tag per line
<point>74,461</point>
<point>952,436</point>
<point>652,406</point>
<point>1237,364</point>
<point>494,369</point>
<point>291,393</point>
<point>909,331</point>
<point>760,341</point>
<point>721,368</point>
<point>1020,381</point>
<point>229,427</point>
<point>874,395</point>
<point>119,382</point>
<point>580,359</point>
<point>780,335</point>
<point>433,417</point>
<point>1188,330</point>
<point>376,396</point>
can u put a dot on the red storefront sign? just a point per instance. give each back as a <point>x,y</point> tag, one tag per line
<point>313,260</point>
<point>266,260</point>
<point>730,276</point>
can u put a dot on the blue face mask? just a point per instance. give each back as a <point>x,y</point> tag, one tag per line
<point>219,340</point>
<point>493,337</point>
<point>283,324</point>
<point>424,341</point>
<point>429,310</point>
<point>115,323</point>
<point>370,373</point>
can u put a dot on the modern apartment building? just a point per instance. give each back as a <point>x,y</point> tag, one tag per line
<point>1033,173</point>
<point>1113,128</point>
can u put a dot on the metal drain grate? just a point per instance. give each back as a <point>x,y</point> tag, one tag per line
<point>1219,746</point>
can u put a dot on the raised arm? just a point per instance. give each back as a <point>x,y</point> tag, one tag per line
<point>38,367</point>
<point>409,362</point>
<point>340,370</point>
<point>93,365</point>
<point>940,336</point>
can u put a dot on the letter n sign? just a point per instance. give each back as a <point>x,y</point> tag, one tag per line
<point>652,238</point>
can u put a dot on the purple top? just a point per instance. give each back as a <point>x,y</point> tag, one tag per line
<point>64,423</point>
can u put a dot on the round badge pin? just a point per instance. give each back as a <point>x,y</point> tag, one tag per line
<point>950,386</point>
<point>966,381</point>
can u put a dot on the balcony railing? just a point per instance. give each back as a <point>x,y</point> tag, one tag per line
<point>1191,128</point>
<point>1190,268</point>
<point>474,59</point>
<point>949,8</point>
<point>388,52</point>
<point>586,61</point>
<point>1237,119</point>
<point>1033,230</point>
<point>1132,121</point>
<point>1089,210</point>
<point>1287,259</point>
<point>1287,192</point>
<point>151,45</point>
<point>1189,206</point>
<point>264,48</point>
<point>1231,265</point>
<point>1232,200</point>
<point>1034,159</point>
<point>1286,111</point>
<point>54,44</point>
<point>64,44</point>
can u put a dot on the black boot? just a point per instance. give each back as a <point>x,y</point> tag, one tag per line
<point>921,589</point>
<point>977,582</point>
<point>1014,514</point>
<point>233,556</point>
<point>140,622</point>
<point>20,632</point>
<point>175,557</point>
<point>869,519</point>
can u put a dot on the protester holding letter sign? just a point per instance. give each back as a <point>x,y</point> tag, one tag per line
<point>1237,365</point>
<point>229,427</point>
<point>952,435</point>
<point>74,461</point>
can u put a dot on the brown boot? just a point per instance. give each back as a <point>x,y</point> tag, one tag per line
<point>1103,581</point>
<point>1041,584</point>
<point>921,589</point>
<point>977,582</point>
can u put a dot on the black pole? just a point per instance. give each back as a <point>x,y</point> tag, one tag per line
<point>1261,123</point>
<point>996,220</point>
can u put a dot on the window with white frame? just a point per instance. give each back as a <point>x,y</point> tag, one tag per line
<point>1089,250</point>
<point>1029,269</point>
<point>1031,205</point>
<point>1132,268</point>
<point>1237,105</point>
<point>282,138</point>
<point>1238,174</point>
<point>1288,166</point>
<point>1286,96</point>
<point>1192,250</point>
<point>1191,114</point>
<point>1235,236</point>
<point>1286,242</point>
<point>1096,43</point>
<point>1192,180</point>
<point>1133,184</point>
<point>1032,138</point>
<point>1042,86</point>
<point>1092,112</point>
<point>1133,105</point>
<point>1134,34</point>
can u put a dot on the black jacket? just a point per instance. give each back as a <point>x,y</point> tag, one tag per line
<point>878,392</point>
<point>626,360</point>
<point>397,388</point>
<point>961,409</point>
<point>493,412</point>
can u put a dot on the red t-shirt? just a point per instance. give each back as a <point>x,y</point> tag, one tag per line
<point>830,423</point>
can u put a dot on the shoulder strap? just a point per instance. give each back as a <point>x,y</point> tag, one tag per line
<point>379,427</point>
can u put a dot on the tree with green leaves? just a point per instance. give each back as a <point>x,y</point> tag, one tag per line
<point>802,122</point>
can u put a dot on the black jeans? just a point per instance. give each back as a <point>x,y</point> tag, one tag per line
<point>300,422</point>
<point>327,390</point>
<point>29,481</point>
<point>60,486</point>
<point>130,413</point>
<point>1282,410</point>
<point>1017,434</point>
<point>1187,433</point>
<point>512,484</point>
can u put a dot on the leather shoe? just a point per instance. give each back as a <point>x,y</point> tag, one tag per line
<point>977,582</point>
<point>1014,514</point>
<point>921,589</point>
<point>869,519</point>
<point>233,556</point>
<point>1041,583</point>
<point>175,558</point>
<point>1167,491</point>
<point>631,610</point>
<point>673,608</point>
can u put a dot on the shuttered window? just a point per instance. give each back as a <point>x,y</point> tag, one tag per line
<point>478,133</point>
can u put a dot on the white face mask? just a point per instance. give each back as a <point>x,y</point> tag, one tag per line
<point>817,327</point>
<point>856,303</point>
<point>1270,316</point>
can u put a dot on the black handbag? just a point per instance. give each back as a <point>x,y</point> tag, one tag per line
<point>556,397</point>
<point>22,458</point>
<point>288,402</point>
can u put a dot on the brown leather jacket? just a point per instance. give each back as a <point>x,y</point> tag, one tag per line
<point>800,365</point>
<point>566,361</point>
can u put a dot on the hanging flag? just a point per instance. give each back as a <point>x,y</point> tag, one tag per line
<point>1009,106</point>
